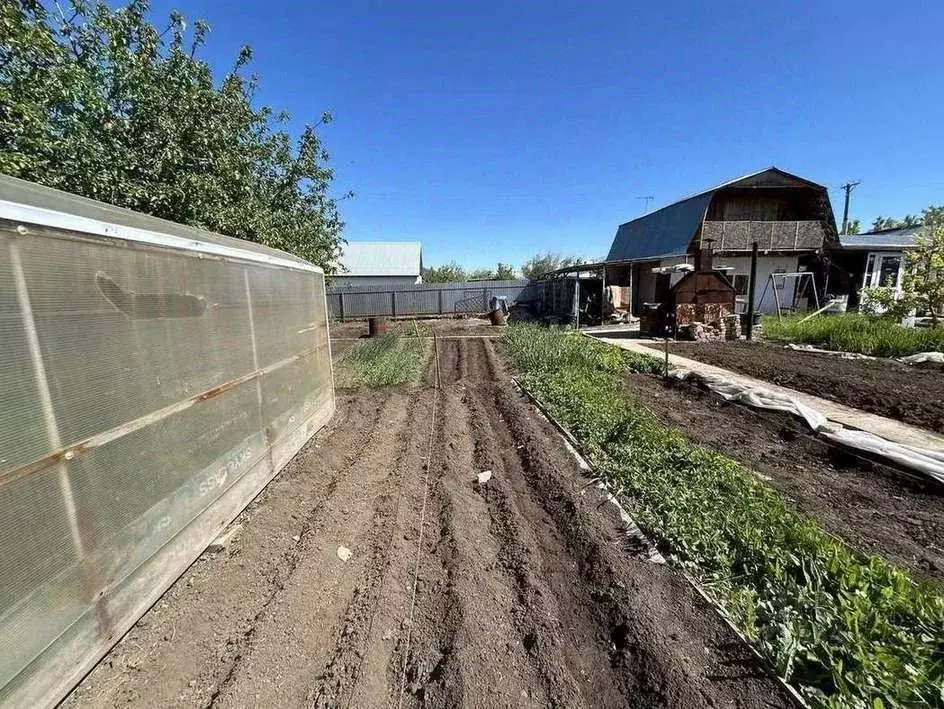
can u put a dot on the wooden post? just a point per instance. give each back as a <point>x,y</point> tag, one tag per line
<point>750,292</point>
<point>393,303</point>
<point>341,307</point>
<point>441,302</point>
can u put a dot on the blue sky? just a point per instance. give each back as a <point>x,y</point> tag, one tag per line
<point>492,130</point>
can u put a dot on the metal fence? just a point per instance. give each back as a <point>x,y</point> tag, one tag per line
<point>352,302</point>
<point>151,384</point>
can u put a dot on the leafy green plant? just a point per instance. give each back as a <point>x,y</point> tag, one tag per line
<point>101,103</point>
<point>856,333</point>
<point>845,629</point>
<point>381,361</point>
<point>545,349</point>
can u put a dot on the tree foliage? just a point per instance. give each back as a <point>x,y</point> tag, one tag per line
<point>102,103</point>
<point>447,273</point>
<point>909,220</point>
<point>923,281</point>
<point>481,274</point>
<point>854,226</point>
<point>505,272</point>
<point>545,261</point>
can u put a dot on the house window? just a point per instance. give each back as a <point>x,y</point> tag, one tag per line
<point>883,270</point>
<point>888,273</point>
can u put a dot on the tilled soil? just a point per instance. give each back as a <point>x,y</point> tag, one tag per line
<point>880,386</point>
<point>527,591</point>
<point>874,508</point>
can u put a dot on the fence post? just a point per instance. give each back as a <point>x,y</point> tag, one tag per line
<point>393,303</point>
<point>485,299</point>
<point>440,302</point>
<point>341,306</point>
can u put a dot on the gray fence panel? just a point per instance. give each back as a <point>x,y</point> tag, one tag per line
<point>351,302</point>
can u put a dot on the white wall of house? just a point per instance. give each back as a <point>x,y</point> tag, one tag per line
<point>765,302</point>
<point>766,265</point>
<point>343,280</point>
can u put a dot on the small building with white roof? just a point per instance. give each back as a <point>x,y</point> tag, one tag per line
<point>379,263</point>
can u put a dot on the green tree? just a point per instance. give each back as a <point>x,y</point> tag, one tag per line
<point>504,272</point>
<point>880,223</point>
<point>853,227</point>
<point>102,103</point>
<point>481,274</point>
<point>447,273</point>
<point>545,261</point>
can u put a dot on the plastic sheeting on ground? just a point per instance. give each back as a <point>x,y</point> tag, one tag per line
<point>928,462</point>
<point>924,358</point>
<point>820,350</point>
<point>921,358</point>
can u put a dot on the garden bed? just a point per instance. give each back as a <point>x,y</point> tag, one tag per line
<point>851,332</point>
<point>880,386</point>
<point>844,628</point>
<point>875,508</point>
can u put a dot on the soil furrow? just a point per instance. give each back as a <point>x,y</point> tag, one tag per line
<point>538,615</point>
<point>423,669</point>
<point>335,686</point>
<point>667,645</point>
<point>292,643</point>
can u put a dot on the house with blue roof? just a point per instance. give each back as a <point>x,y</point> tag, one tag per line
<point>788,216</point>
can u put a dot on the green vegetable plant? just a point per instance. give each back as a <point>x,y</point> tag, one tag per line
<point>381,361</point>
<point>865,334</point>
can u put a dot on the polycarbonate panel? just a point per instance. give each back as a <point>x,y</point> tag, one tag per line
<point>146,395</point>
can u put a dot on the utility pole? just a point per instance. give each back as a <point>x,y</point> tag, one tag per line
<point>848,187</point>
<point>648,199</point>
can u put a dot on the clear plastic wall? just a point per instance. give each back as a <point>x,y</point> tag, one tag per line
<point>147,394</point>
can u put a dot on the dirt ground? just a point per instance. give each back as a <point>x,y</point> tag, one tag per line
<point>879,386</point>
<point>872,507</point>
<point>528,592</point>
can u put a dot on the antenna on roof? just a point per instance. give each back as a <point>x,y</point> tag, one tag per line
<point>648,199</point>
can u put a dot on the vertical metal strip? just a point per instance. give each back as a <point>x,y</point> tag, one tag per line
<point>327,328</point>
<point>255,364</point>
<point>45,397</point>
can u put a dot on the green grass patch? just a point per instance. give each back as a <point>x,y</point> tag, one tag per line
<point>381,361</point>
<point>856,333</point>
<point>845,629</point>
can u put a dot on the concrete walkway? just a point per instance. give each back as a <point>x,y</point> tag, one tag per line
<point>849,417</point>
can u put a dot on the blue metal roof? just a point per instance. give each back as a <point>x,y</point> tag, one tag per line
<point>886,239</point>
<point>381,258</point>
<point>669,231</point>
<point>665,232</point>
